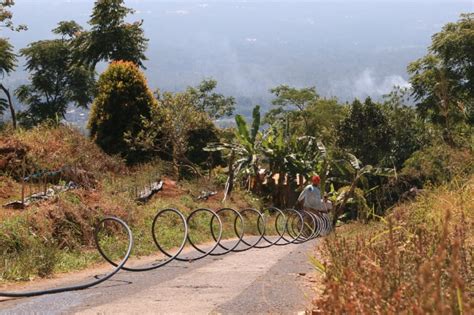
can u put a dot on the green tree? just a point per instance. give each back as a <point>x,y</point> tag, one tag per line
<point>291,103</point>
<point>214,104</point>
<point>323,117</point>
<point>7,56</point>
<point>198,139</point>
<point>169,128</point>
<point>454,45</point>
<point>443,80</point>
<point>291,156</point>
<point>110,37</point>
<point>123,100</point>
<point>56,81</point>
<point>7,65</point>
<point>6,16</point>
<point>355,173</point>
<point>408,132</point>
<point>366,132</point>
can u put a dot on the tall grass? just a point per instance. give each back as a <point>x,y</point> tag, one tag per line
<point>417,260</point>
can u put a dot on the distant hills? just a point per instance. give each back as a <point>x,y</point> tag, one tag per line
<point>345,48</point>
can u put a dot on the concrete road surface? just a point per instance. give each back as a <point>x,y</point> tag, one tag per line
<point>258,281</point>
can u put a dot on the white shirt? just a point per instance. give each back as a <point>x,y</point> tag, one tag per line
<point>312,197</point>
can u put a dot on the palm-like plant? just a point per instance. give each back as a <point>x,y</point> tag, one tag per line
<point>352,168</point>
<point>293,156</point>
<point>244,154</point>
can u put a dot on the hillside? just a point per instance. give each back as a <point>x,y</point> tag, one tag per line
<point>417,259</point>
<point>57,234</point>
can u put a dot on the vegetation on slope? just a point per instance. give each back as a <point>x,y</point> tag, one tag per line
<point>418,259</point>
<point>57,235</point>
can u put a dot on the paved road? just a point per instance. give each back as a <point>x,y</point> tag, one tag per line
<point>253,282</point>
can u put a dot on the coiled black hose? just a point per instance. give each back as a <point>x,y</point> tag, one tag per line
<point>117,268</point>
<point>297,227</point>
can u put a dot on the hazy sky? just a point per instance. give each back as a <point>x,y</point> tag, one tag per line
<point>346,48</point>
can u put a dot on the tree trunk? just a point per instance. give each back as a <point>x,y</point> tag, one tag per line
<point>281,192</point>
<point>230,180</point>
<point>324,176</point>
<point>443,94</point>
<point>10,104</point>
<point>337,210</point>
<point>258,183</point>
<point>175,163</point>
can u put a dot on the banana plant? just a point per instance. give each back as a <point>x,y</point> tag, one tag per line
<point>248,151</point>
<point>352,168</point>
<point>245,151</point>
<point>294,156</point>
<point>310,156</point>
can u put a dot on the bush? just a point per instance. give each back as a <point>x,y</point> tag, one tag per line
<point>439,164</point>
<point>199,138</point>
<point>123,99</point>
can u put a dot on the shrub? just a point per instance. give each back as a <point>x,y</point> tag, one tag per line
<point>439,164</point>
<point>123,99</point>
<point>199,138</point>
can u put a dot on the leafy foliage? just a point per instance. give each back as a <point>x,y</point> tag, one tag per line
<point>6,16</point>
<point>178,130</point>
<point>214,104</point>
<point>323,117</point>
<point>287,100</point>
<point>408,132</point>
<point>438,163</point>
<point>366,132</point>
<point>443,80</point>
<point>123,99</point>
<point>56,81</point>
<point>111,38</point>
<point>7,57</point>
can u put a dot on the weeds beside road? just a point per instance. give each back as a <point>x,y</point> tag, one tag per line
<point>418,260</point>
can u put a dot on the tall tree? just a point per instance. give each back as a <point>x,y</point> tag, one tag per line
<point>7,56</point>
<point>56,81</point>
<point>323,117</point>
<point>110,37</point>
<point>214,104</point>
<point>408,132</point>
<point>366,132</point>
<point>244,151</point>
<point>7,65</point>
<point>443,80</point>
<point>291,103</point>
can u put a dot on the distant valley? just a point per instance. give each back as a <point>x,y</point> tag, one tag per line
<point>252,46</point>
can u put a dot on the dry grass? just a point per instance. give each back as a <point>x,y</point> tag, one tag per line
<point>57,235</point>
<point>418,260</point>
<point>49,148</point>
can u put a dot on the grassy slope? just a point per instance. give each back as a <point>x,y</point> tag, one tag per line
<point>419,259</point>
<point>57,235</point>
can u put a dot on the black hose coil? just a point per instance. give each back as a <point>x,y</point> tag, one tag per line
<point>298,227</point>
